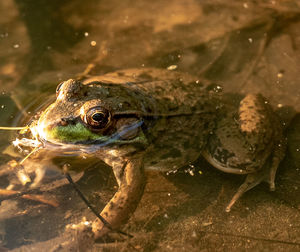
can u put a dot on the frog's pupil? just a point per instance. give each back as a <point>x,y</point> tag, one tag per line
<point>98,117</point>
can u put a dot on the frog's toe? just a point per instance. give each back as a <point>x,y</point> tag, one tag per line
<point>99,229</point>
<point>272,186</point>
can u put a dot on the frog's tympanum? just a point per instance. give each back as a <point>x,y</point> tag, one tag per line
<point>157,119</point>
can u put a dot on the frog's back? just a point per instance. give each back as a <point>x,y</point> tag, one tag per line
<point>183,109</point>
<point>175,91</point>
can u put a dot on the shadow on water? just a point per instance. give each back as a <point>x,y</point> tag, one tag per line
<point>48,32</point>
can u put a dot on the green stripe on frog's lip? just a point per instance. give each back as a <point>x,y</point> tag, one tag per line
<point>72,134</point>
<point>78,134</point>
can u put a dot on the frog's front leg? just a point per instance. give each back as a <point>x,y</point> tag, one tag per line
<point>130,177</point>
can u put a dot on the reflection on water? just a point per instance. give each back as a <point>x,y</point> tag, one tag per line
<point>245,47</point>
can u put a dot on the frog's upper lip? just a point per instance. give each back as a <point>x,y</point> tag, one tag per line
<point>87,145</point>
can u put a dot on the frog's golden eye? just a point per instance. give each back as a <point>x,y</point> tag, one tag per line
<point>58,88</point>
<point>98,118</point>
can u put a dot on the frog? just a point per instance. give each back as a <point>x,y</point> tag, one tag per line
<point>155,119</point>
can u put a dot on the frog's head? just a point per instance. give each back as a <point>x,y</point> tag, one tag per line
<point>89,115</point>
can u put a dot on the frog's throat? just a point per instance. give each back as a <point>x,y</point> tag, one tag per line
<point>78,133</point>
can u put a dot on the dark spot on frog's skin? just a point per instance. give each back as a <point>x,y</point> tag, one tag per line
<point>200,107</point>
<point>120,73</point>
<point>145,75</point>
<point>222,155</point>
<point>136,92</point>
<point>111,205</point>
<point>193,109</point>
<point>129,83</point>
<point>173,153</point>
<point>207,125</point>
<point>235,18</point>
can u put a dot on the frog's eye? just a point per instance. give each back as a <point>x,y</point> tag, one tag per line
<point>58,88</point>
<point>98,118</point>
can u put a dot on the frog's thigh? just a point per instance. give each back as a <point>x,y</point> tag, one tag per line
<point>131,182</point>
<point>256,116</point>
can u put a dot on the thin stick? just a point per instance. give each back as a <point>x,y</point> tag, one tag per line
<point>13,128</point>
<point>105,222</point>
<point>33,151</point>
<point>11,194</point>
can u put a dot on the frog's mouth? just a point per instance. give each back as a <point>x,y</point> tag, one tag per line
<point>61,139</point>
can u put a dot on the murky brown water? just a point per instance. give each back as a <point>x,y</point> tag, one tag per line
<point>243,45</point>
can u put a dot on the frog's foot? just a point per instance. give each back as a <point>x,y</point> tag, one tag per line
<point>266,174</point>
<point>251,181</point>
<point>78,237</point>
<point>130,177</point>
<point>39,175</point>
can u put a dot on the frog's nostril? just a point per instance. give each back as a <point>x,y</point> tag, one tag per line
<point>67,121</point>
<point>64,122</point>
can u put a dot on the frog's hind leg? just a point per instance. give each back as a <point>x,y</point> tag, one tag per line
<point>266,174</point>
<point>251,181</point>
